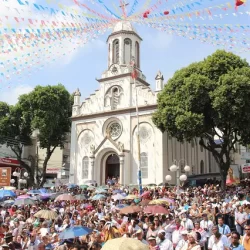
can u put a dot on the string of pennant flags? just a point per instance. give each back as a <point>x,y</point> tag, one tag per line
<point>33,35</point>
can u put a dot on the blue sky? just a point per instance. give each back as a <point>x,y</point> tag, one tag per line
<point>159,51</point>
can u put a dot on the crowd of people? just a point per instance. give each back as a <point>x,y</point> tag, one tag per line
<point>195,218</point>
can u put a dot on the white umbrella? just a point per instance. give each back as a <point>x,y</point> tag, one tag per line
<point>118,197</point>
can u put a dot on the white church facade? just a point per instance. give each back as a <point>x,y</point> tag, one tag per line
<point>104,126</point>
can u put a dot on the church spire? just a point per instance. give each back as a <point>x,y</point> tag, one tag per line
<point>123,44</point>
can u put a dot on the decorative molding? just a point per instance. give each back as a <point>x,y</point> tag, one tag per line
<point>151,107</point>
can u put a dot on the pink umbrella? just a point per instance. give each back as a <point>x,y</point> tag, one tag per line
<point>145,194</point>
<point>155,210</point>
<point>25,196</point>
<point>168,200</point>
<point>65,197</point>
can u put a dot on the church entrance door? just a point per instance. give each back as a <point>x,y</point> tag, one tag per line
<point>112,167</point>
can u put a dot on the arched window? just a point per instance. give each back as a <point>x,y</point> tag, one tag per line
<point>144,165</point>
<point>201,148</point>
<point>115,98</point>
<point>137,54</point>
<point>202,167</point>
<point>116,51</point>
<point>85,167</point>
<point>127,51</point>
<point>109,55</point>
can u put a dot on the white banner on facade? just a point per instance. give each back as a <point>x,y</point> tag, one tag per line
<point>245,156</point>
<point>245,168</point>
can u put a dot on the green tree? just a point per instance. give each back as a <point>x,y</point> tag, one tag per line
<point>50,107</point>
<point>206,100</point>
<point>15,131</point>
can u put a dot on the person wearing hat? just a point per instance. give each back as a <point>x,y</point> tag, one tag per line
<point>163,242</point>
<point>139,236</point>
<point>8,237</point>
<point>33,242</point>
<point>192,243</point>
<point>152,243</point>
<point>207,226</point>
<point>183,241</point>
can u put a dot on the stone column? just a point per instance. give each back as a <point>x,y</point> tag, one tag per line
<point>92,163</point>
<point>121,156</point>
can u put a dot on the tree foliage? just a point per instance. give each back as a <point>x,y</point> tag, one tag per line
<point>51,111</point>
<point>46,109</point>
<point>206,100</point>
<point>15,130</point>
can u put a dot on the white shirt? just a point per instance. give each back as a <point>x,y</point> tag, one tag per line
<point>207,224</point>
<point>166,245</point>
<point>33,246</point>
<point>181,244</point>
<point>220,245</point>
<point>188,224</point>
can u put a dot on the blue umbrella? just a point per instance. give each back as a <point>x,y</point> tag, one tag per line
<point>98,197</point>
<point>43,190</point>
<point>34,192</point>
<point>117,191</point>
<point>6,193</point>
<point>120,206</point>
<point>73,232</point>
<point>72,186</point>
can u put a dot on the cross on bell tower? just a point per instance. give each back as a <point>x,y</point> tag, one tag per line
<point>123,7</point>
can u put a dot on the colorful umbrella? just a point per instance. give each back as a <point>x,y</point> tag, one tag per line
<point>99,197</point>
<point>27,201</point>
<point>65,197</point>
<point>6,193</point>
<point>73,232</point>
<point>101,191</point>
<point>124,244</point>
<point>145,194</point>
<point>131,197</point>
<point>83,186</point>
<point>46,214</point>
<point>118,197</point>
<point>25,196</point>
<point>34,192</point>
<point>130,210</point>
<point>120,206</point>
<point>81,197</point>
<point>155,210</point>
<point>159,202</point>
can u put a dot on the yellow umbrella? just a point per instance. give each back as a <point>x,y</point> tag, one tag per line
<point>131,197</point>
<point>46,214</point>
<point>124,244</point>
<point>159,202</point>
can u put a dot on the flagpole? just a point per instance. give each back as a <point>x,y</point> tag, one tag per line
<point>134,76</point>
<point>138,139</point>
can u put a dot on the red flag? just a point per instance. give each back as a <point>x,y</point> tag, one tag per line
<point>134,73</point>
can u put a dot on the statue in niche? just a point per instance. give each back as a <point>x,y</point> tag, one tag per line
<point>92,149</point>
<point>107,101</point>
<point>120,146</point>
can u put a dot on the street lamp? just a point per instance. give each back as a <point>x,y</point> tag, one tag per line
<point>176,168</point>
<point>18,173</point>
<point>12,181</point>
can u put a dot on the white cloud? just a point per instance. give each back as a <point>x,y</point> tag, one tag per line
<point>11,95</point>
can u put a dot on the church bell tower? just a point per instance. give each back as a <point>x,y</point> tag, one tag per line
<point>123,45</point>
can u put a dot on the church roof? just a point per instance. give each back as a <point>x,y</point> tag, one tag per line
<point>123,26</point>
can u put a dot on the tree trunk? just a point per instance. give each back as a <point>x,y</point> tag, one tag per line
<point>30,179</point>
<point>45,163</point>
<point>223,173</point>
<point>49,152</point>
